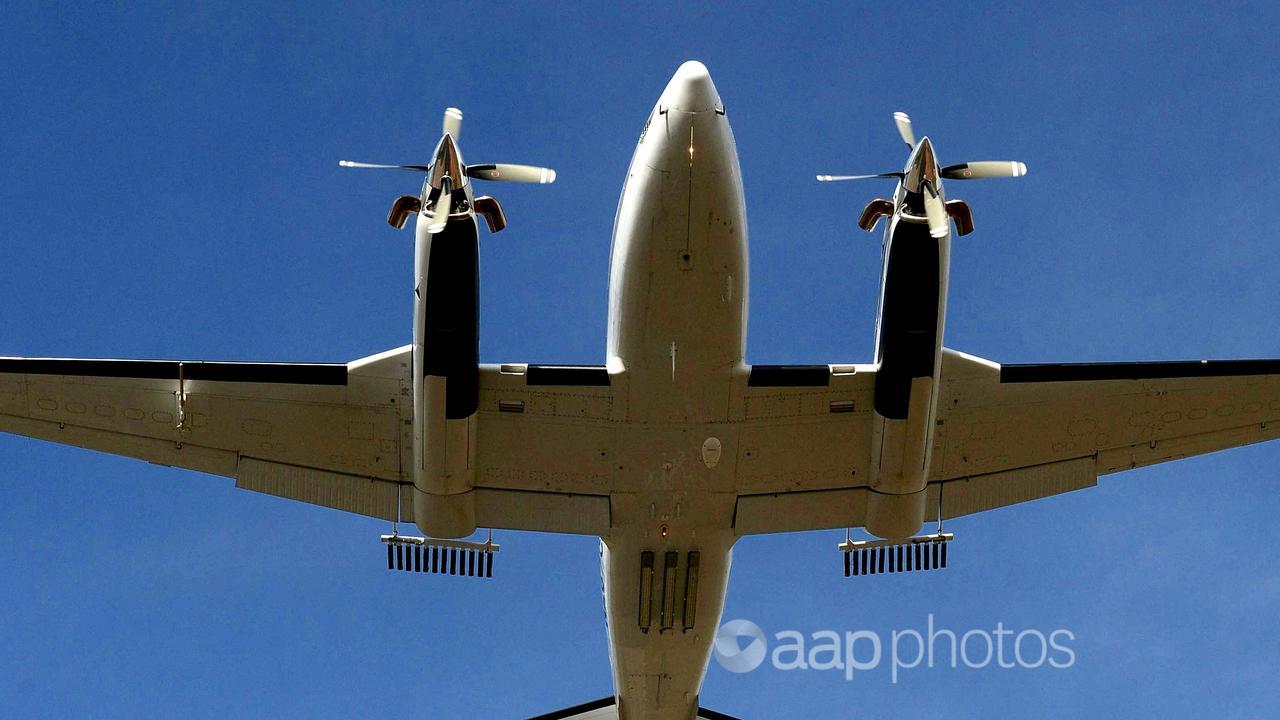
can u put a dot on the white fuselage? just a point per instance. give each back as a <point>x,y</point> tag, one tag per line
<point>676,342</point>
<point>677,333</point>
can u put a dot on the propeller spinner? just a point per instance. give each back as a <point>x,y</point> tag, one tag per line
<point>446,189</point>
<point>920,185</point>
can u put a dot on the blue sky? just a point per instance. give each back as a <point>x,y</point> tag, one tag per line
<point>170,189</point>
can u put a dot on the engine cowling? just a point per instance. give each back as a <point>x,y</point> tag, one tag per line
<point>446,377</point>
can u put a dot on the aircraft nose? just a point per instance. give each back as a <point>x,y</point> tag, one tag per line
<point>691,89</point>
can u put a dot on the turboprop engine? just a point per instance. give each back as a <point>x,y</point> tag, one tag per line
<point>446,317</point>
<point>909,331</point>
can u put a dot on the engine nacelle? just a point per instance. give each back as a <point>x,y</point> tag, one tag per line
<point>895,516</point>
<point>900,456</point>
<point>446,376</point>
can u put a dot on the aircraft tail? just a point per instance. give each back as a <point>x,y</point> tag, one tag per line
<point>607,709</point>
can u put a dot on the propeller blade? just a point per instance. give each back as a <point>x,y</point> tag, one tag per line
<point>452,121</point>
<point>837,178</point>
<point>444,203</point>
<point>935,212</point>
<point>984,169</point>
<point>375,166</point>
<point>506,172</point>
<point>904,129</point>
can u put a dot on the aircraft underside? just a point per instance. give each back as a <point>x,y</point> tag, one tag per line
<point>675,447</point>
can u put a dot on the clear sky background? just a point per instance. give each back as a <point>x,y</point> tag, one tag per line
<point>169,188</point>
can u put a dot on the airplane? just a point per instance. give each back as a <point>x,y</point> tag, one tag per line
<point>675,446</point>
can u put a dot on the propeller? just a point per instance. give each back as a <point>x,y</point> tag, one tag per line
<point>447,175</point>
<point>934,211</point>
<point>376,166</point>
<point>452,124</point>
<point>904,129</point>
<point>838,178</point>
<point>983,169</point>
<point>440,214</point>
<point>506,172</point>
<point>923,176</point>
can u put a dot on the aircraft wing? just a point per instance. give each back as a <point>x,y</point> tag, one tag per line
<point>802,447</point>
<point>1014,433</point>
<point>1090,419</point>
<point>332,424</point>
<point>327,434</point>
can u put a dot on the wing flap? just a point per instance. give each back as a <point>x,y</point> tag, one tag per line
<point>847,507</point>
<point>543,511</point>
<point>1010,487</point>
<point>800,511</point>
<point>495,508</point>
<point>350,493</point>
